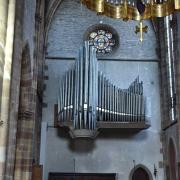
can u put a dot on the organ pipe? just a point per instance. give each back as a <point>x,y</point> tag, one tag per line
<point>86,96</point>
<point>170,65</point>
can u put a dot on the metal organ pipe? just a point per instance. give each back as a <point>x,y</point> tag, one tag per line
<point>87,96</point>
<point>170,65</point>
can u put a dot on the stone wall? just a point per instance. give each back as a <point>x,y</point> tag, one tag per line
<point>24,36</point>
<point>29,25</point>
<point>72,20</point>
<point>112,151</point>
<point>170,128</point>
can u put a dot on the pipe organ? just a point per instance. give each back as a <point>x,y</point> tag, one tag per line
<point>88,101</point>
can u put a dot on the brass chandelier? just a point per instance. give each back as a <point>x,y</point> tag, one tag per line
<point>138,10</point>
<point>133,10</point>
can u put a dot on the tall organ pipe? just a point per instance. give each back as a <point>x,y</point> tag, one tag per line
<point>87,96</point>
<point>170,65</point>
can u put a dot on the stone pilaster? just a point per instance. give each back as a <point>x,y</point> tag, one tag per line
<point>4,5</point>
<point>7,75</point>
<point>3,29</point>
<point>177,62</point>
<point>170,93</point>
<point>14,92</point>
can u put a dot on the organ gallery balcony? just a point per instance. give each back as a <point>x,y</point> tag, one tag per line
<point>89,102</point>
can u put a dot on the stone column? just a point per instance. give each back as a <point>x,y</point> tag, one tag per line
<point>170,85</point>
<point>167,59</point>
<point>178,75</point>
<point>7,10</point>
<point>3,28</point>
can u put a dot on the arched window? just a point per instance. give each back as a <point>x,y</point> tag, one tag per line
<point>102,40</point>
<point>103,37</point>
<point>140,172</point>
<point>172,160</point>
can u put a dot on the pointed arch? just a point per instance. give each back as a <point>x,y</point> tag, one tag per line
<point>172,160</point>
<point>25,81</point>
<point>52,7</point>
<point>25,123</point>
<point>140,170</point>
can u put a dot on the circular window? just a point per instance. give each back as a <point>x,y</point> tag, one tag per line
<point>103,37</point>
<point>102,40</point>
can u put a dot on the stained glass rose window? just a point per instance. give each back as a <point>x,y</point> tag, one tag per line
<point>102,40</point>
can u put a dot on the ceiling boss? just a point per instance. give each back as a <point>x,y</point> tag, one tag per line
<point>138,10</point>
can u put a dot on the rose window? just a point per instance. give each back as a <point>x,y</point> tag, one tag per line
<point>102,40</point>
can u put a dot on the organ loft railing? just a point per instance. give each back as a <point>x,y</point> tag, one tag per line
<point>88,101</point>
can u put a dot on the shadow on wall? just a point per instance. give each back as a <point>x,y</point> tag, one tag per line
<point>123,134</point>
<point>85,145</point>
<point>80,145</point>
